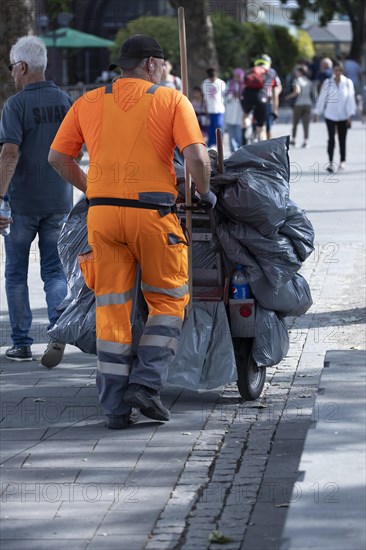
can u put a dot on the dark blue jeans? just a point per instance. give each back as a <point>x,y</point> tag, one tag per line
<point>216,121</point>
<point>23,231</point>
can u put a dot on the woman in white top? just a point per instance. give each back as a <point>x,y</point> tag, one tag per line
<point>337,103</point>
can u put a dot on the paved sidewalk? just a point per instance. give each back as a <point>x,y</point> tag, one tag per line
<point>220,464</point>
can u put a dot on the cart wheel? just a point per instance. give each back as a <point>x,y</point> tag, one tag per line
<point>250,378</point>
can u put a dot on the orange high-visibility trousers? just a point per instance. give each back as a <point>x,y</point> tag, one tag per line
<point>128,166</point>
<point>120,238</point>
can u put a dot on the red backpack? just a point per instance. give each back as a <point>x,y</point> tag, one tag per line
<point>255,77</point>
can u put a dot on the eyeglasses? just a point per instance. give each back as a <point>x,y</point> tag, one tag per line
<point>10,67</point>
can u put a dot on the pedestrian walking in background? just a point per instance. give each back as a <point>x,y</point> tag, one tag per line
<point>200,108</point>
<point>337,103</point>
<point>40,199</point>
<point>262,87</point>
<point>170,80</point>
<point>213,89</point>
<point>273,89</point>
<point>303,93</point>
<point>352,70</point>
<point>233,109</point>
<point>325,72</point>
<point>133,129</point>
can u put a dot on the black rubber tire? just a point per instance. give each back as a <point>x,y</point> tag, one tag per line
<point>250,378</point>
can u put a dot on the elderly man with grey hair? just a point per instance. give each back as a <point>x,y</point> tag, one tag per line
<point>40,199</point>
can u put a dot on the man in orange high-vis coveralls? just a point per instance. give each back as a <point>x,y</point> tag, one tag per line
<point>131,129</point>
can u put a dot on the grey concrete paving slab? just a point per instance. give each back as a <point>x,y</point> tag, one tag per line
<point>61,528</point>
<point>124,459</point>
<point>12,510</point>
<point>333,461</point>
<point>16,396</point>
<point>132,519</point>
<point>17,475</point>
<point>110,476</point>
<point>16,461</point>
<point>117,542</point>
<point>47,544</point>
<point>53,446</point>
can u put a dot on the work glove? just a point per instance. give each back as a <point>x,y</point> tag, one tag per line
<point>207,199</point>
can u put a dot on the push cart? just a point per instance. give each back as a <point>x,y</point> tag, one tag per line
<point>211,283</point>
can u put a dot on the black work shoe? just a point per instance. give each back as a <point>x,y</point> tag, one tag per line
<point>147,400</point>
<point>117,421</point>
<point>19,353</point>
<point>53,354</point>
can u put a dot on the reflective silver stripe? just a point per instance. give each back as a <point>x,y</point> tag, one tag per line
<point>160,341</point>
<point>164,320</point>
<point>114,299</point>
<point>178,292</point>
<point>113,368</point>
<point>164,199</point>
<point>113,347</point>
<point>152,89</point>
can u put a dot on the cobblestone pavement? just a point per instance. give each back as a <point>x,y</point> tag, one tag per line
<point>221,464</point>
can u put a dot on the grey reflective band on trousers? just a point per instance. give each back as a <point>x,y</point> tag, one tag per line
<point>165,320</point>
<point>115,298</point>
<point>159,341</point>
<point>113,347</point>
<point>114,357</point>
<point>118,369</point>
<point>178,292</point>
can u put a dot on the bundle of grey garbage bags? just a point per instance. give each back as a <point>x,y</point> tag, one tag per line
<point>260,227</point>
<point>257,225</point>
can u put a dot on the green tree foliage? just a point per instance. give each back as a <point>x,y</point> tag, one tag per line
<point>329,9</point>
<point>16,21</point>
<point>306,46</point>
<point>164,29</point>
<point>55,7</point>
<point>237,44</point>
<point>286,51</point>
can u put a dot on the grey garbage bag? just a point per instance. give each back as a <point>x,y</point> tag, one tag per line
<point>299,229</point>
<point>270,156</point>
<point>275,256</point>
<point>205,356</point>
<point>271,342</point>
<point>76,324</point>
<point>256,198</point>
<point>292,298</point>
<point>257,187</point>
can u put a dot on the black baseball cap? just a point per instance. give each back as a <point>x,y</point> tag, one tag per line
<point>136,48</point>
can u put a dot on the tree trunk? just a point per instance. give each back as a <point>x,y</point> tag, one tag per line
<point>201,51</point>
<point>15,21</point>
<point>358,21</point>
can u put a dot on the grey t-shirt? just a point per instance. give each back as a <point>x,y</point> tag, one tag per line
<point>31,119</point>
<point>305,86</point>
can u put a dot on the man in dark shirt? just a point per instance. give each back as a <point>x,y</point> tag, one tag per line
<point>40,199</point>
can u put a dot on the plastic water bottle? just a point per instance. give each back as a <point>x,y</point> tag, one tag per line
<point>5,212</point>
<point>240,289</point>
